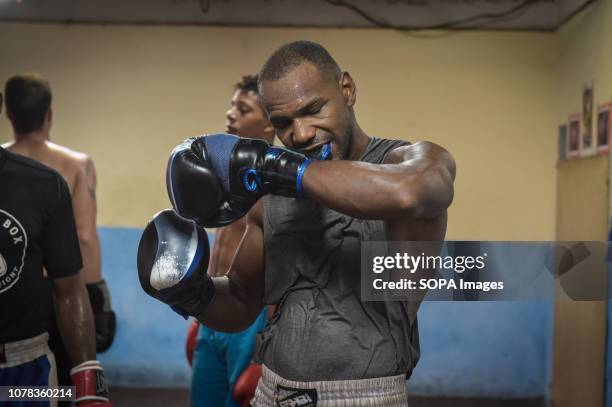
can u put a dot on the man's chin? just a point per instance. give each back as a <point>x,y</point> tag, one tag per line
<point>321,153</point>
<point>313,155</point>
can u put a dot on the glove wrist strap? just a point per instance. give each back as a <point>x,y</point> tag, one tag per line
<point>88,379</point>
<point>283,172</point>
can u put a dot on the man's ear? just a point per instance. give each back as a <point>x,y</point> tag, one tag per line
<point>269,133</point>
<point>348,89</point>
<point>49,117</point>
<point>269,130</point>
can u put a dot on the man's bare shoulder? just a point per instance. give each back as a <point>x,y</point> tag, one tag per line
<point>255,214</point>
<point>73,165</point>
<point>70,155</point>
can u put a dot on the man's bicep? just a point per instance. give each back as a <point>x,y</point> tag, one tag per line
<point>84,201</point>
<point>227,240</point>
<point>247,269</point>
<point>59,244</point>
<point>428,173</point>
<point>239,295</point>
<point>91,178</point>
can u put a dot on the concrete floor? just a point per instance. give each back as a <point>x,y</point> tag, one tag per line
<point>130,397</point>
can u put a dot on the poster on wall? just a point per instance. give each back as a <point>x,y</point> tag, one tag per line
<point>573,139</point>
<point>586,147</point>
<point>603,128</point>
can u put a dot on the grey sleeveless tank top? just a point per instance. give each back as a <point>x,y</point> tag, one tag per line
<point>322,330</point>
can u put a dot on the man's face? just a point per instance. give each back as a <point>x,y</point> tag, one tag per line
<point>309,110</point>
<point>246,117</point>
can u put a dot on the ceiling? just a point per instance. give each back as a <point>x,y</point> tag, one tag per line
<point>539,15</point>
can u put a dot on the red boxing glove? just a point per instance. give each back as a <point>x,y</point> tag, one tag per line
<point>91,386</point>
<point>244,389</point>
<point>192,337</point>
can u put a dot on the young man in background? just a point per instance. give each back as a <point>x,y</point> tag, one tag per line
<point>220,358</point>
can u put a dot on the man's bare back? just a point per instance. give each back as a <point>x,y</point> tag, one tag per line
<point>69,163</point>
<point>79,172</point>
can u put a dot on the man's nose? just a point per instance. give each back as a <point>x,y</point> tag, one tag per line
<point>303,134</point>
<point>231,114</point>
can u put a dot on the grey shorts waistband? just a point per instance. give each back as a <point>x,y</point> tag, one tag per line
<point>25,350</point>
<point>273,390</point>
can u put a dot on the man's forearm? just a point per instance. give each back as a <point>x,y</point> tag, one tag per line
<point>92,262</point>
<point>75,321</point>
<point>414,182</point>
<point>361,190</point>
<point>232,308</point>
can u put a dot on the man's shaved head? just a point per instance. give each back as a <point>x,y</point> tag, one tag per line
<point>309,100</point>
<point>291,55</point>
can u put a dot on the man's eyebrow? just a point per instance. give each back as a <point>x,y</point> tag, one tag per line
<point>314,103</point>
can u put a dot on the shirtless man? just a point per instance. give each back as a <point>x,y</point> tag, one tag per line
<point>28,106</point>
<point>221,358</point>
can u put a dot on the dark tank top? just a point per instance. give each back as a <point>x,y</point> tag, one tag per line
<point>322,330</point>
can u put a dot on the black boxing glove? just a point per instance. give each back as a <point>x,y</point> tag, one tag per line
<point>256,168</point>
<point>104,317</point>
<point>193,187</point>
<point>244,170</point>
<point>172,263</point>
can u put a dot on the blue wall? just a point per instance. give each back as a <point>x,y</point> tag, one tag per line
<point>484,349</point>
<point>468,349</point>
<point>149,345</point>
<point>608,371</point>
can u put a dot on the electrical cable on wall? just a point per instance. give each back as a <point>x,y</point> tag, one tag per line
<point>492,17</point>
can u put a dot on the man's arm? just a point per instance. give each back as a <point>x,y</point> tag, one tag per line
<point>239,294</point>
<point>75,319</point>
<point>227,240</point>
<point>415,181</point>
<point>85,208</point>
<point>405,232</point>
<point>411,191</point>
<point>63,262</point>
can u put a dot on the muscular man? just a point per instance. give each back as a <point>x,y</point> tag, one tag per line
<point>301,247</point>
<point>28,96</point>
<point>220,357</point>
<point>37,231</point>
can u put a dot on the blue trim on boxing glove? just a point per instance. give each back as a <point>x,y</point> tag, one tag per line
<point>300,177</point>
<point>196,259</point>
<point>250,185</point>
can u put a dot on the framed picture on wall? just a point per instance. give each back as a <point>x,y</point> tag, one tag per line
<point>562,142</point>
<point>603,128</point>
<point>573,139</point>
<point>587,143</point>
